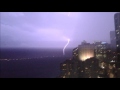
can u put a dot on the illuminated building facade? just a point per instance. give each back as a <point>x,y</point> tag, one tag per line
<point>85,51</point>
<point>111,55</point>
<point>69,69</point>
<point>111,70</point>
<point>107,70</point>
<point>100,50</point>
<point>103,70</point>
<point>66,69</point>
<point>95,60</point>
<point>89,68</point>
<point>111,64</point>
<point>106,57</point>
<point>117,34</point>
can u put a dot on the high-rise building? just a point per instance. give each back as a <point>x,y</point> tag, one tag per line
<point>113,39</point>
<point>85,51</point>
<point>66,69</point>
<point>69,69</point>
<point>117,34</point>
<point>100,50</point>
<point>95,60</point>
<point>89,68</point>
<point>75,53</point>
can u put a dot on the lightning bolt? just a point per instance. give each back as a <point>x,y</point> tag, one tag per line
<point>65,46</point>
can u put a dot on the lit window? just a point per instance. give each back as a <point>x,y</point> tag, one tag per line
<point>114,65</point>
<point>86,68</point>
<point>110,67</point>
<point>104,55</point>
<point>98,77</point>
<point>112,61</point>
<point>63,76</point>
<point>117,45</point>
<point>103,67</point>
<point>89,76</point>
<point>64,64</point>
<point>111,75</point>
<point>64,69</point>
<point>68,73</point>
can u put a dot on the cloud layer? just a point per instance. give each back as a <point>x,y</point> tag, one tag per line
<point>45,29</point>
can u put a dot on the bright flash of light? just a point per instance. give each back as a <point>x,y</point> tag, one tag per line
<point>86,53</point>
<point>65,46</point>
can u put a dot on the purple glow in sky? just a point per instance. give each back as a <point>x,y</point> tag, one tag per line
<point>51,29</point>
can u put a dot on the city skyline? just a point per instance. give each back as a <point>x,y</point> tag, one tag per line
<point>36,41</point>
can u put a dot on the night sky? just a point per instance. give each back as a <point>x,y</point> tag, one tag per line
<point>52,29</point>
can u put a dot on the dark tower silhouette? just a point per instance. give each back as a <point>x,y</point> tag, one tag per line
<point>117,34</point>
